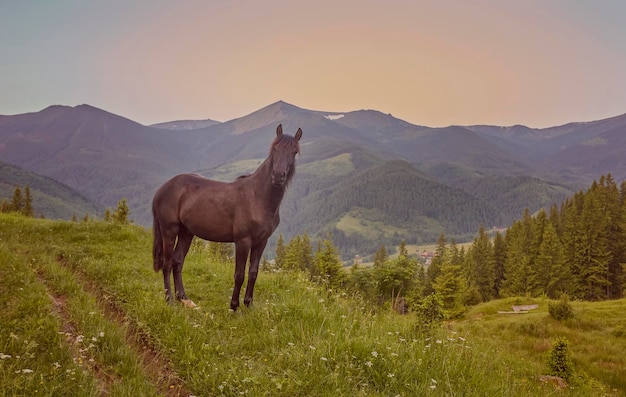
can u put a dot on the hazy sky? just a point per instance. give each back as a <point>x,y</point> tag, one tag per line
<point>436,63</point>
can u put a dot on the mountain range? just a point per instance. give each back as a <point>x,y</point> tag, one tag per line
<point>364,177</point>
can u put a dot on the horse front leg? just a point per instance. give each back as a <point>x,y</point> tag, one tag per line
<point>255,258</point>
<point>242,248</point>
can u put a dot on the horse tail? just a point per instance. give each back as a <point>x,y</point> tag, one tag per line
<point>157,242</point>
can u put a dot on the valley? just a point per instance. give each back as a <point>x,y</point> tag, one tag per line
<point>378,172</point>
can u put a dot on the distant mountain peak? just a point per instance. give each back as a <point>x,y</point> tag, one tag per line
<point>271,114</point>
<point>180,125</point>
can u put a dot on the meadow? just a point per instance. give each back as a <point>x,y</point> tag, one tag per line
<point>82,313</point>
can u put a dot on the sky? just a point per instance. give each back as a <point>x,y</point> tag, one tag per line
<point>538,63</point>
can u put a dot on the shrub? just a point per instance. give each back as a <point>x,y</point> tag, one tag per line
<point>559,360</point>
<point>430,312</point>
<point>562,309</point>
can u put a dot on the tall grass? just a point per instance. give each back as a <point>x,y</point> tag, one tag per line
<point>297,340</point>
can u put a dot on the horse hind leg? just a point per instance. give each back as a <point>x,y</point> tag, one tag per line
<point>169,239</point>
<point>178,259</point>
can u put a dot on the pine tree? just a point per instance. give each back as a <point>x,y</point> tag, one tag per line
<point>328,266</point>
<point>380,256</point>
<point>609,197</point>
<point>280,252</point>
<point>499,258</point>
<point>518,269</point>
<point>449,285</point>
<point>107,215</point>
<point>306,254</point>
<point>553,274</point>
<point>402,250</point>
<point>121,213</point>
<point>592,256</point>
<point>27,209</point>
<point>434,269</point>
<point>17,201</point>
<point>482,266</point>
<point>292,254</point>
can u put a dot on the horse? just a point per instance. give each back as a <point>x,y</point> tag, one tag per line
<point>244,211</point>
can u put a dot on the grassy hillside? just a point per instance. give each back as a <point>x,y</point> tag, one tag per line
<point>83,314</point>
<point>51,199</point>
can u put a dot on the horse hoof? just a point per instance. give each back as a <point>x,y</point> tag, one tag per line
<point>189,303</point>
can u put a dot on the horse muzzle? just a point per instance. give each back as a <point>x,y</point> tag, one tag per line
<point>279,178</point>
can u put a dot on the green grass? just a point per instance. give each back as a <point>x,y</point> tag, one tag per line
<point>338,165</point>
<point>596,336</point>
<point>358,221</point>
<point>96,280</point>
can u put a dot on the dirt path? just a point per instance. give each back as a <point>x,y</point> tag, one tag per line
<point>156,366</point>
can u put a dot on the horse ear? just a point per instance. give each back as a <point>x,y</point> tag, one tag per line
<point>279,130</point>
<point>298,134</point>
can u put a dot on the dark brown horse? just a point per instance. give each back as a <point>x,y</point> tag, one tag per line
<point>244,211</point>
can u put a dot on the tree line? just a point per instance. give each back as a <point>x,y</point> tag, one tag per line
<point>20,202</point>
<point>577,249</point>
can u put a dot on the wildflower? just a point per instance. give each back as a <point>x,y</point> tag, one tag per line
<point>374,353</point>
<point>390,375</point>
<point>369,364</point>
<point>56,364</point>
<point>439,341</point>
<point>323,359</point>
<point>311,347</point>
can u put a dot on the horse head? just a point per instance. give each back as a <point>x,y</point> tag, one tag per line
<point>283,154</point>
